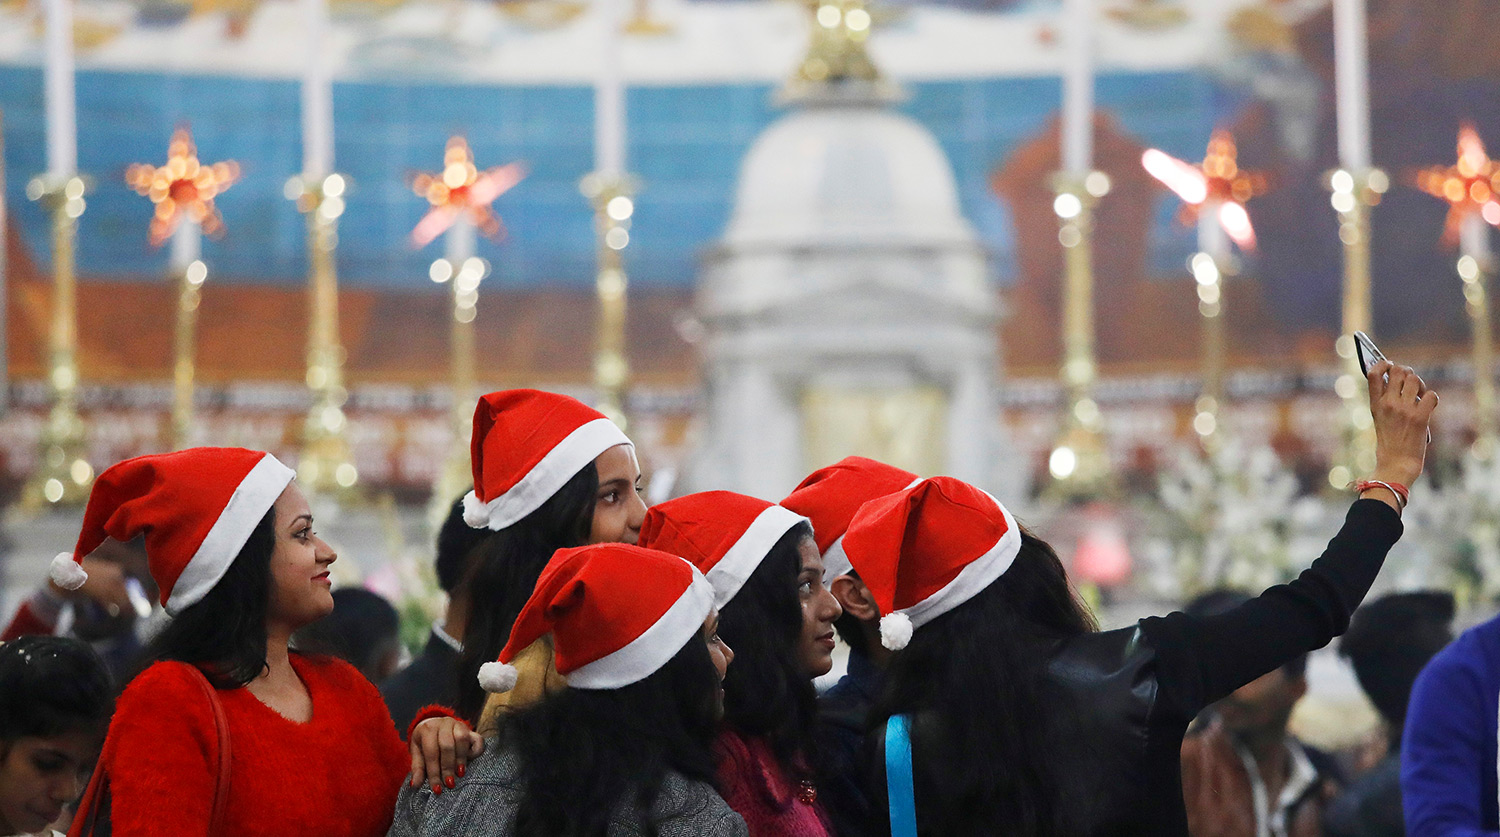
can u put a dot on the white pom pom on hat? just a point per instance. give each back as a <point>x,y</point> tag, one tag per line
<point>66,572</point>
<point>895,630</point>
<point>476,511</point>
<point>497,677</point>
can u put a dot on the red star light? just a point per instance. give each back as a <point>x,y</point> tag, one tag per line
<point>1468,187</point>
<point>182,188</point>
<point>462,188</point>
<point>1218,181</point>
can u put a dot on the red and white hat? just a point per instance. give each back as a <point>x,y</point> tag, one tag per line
<point>830,496</point>
<point>527,444</point>
<point>722,533</point>
<point>616,613</point>
<point>928,549</point>
<point>196,508</point>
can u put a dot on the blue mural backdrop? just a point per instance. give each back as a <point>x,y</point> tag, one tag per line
<point>686,144</point>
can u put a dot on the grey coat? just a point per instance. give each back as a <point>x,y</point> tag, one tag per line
<point>485,801</point>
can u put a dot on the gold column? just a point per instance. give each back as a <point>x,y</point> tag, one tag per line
<point>325,465</point>
<point>189,293</point>
<point>457,473</point>
<point>613,207</point>
<point>65,475</point>
<point>1210,282</point>
<point>1354,193</point>
<point>1079,462</point>
<point>1476,278</point>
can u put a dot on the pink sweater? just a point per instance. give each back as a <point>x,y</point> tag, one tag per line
<point>754,785</point>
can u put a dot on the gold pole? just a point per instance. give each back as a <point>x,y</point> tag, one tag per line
<point>1210,282</point>
<point>189,293</point>
<point>1079,462</point>
<point>1354,193</point>
<point>464,276</point>
<point>1476,277</point>
<point>65,474</point>
<point>611,197</point>
<point>325,465</point>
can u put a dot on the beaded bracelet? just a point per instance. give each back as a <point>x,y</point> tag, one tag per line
<point>1403,494</point>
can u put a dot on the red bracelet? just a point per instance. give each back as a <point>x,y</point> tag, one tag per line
<point>1403,494</point>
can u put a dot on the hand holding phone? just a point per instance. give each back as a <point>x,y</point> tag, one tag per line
<point>1370,355</point>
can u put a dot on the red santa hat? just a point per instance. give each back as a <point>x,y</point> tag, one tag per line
<point>830,496</point>
<point>526,445</point>
<point>722,533</point>
<point>928,549</point>
<point>616,613</point>
<point>196,508</point>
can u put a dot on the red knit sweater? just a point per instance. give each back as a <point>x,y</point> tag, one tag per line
<point>337,774</point>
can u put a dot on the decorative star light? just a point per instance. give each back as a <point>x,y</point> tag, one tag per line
<point>182,188</point>
<point>1468,187</point>
<point>1217,181</point>
<point>462,188</point>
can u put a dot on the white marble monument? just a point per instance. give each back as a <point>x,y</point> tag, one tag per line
<point>848,309</point>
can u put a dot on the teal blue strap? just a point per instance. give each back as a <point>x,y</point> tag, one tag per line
<point>898,782</point>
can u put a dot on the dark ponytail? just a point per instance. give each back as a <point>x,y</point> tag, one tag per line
<point>504,570</point>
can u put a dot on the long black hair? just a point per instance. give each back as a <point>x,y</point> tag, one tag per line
<point>504,571</point>
<point>767,694</point>
<point>582,751</point>
<point>224,633</point>
<point>51,686</point>
<point>980,672</point>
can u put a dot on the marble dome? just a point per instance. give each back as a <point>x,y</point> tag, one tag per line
<point>854,173</point>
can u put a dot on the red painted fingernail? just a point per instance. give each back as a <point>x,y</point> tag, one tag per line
<point>450,783</point>
<point>437,789</point>
<point>460,771</point>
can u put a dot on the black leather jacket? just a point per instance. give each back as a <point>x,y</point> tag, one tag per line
<point>1127,696</point>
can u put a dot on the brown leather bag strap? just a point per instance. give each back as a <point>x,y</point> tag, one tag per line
<point>221,783</point>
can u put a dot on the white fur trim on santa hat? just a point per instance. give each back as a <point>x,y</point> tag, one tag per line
<point>895,630</point>
<point>835,562</point>
<point>67,573</point>
<point>546,477</point>
<point>730,573</point>
<point>497,677</point>
<point>256,493</point>
<point>647,653</point>
<point>974,577</point>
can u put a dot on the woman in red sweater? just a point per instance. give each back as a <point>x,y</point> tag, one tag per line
<point>227,732</point>
<point>775,612</point>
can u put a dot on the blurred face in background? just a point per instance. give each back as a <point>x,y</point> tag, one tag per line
<point>1262,706</point>
<point>39,775</point>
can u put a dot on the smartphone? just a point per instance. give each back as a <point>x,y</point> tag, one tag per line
<point>1369,355</point>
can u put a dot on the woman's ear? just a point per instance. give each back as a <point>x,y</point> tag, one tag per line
<point>855,598</point>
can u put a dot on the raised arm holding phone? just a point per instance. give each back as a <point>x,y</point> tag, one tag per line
<point>1000,665</point>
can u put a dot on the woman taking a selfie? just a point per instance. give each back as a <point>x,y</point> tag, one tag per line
<point>1005,712</point>
<point>625,750</point>
<point>227,731</point>
<point>549,473</point>
<point>768,584</point>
